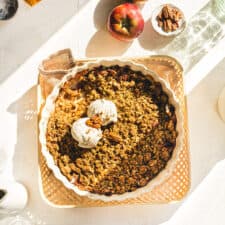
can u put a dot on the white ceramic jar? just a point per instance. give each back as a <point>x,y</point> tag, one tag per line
<point>14,196</point>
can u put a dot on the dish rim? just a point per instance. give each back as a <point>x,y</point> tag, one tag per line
<point>49,107</point>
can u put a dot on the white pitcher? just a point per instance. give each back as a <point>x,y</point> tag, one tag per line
<point>13,196</point>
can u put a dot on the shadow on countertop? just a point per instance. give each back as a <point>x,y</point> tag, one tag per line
<point>102,44</point>
<point>25,161</point>
<point>102,11</point>
<point>151,40</point>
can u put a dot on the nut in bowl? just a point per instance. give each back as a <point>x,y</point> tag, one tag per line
<point>168,20</point>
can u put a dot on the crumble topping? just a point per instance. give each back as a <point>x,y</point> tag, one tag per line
<point>132,151</point>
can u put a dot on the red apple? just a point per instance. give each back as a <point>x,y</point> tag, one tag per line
<point>125,22</point>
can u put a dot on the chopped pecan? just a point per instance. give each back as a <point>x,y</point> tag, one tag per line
<point>114,137</point>
<point>168,18</point>
<point>95,122</point>
<point>165,12</point>
<point>164,154</point>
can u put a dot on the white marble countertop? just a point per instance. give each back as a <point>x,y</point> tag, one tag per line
<point>32,27</point>
<point>25,35</point>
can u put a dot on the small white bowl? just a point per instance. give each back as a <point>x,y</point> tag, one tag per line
<point>159,30</point>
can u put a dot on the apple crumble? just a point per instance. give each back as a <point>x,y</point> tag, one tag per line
<point>133,150</point>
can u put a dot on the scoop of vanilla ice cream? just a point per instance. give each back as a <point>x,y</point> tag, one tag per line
<point>105,109</point>
<point>87,137</point>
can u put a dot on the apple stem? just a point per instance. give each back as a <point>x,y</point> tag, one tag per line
<point>126,23</point>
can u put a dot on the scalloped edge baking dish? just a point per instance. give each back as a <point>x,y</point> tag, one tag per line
<point>49,107</point>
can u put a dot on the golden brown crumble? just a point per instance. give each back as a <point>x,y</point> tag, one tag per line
<point>133,150</point>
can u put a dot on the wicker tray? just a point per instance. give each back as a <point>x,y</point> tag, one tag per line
<point>172,189</point>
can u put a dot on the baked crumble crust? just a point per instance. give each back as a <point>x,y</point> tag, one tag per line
<point>133,150</point>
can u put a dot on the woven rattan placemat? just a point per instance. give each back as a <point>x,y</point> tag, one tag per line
<point>172,189</point>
